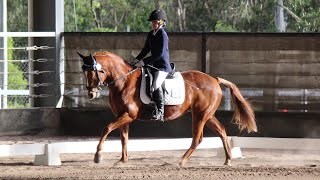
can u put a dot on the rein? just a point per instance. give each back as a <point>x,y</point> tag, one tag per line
<point>123,76</point>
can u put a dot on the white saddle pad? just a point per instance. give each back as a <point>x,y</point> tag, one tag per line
<point>174,90</point>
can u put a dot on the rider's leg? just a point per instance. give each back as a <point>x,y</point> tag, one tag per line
<point>159,100</point>
<point>158,96</point>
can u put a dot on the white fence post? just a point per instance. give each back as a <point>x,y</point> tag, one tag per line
<point>50,158</point>
<point>235,150</point>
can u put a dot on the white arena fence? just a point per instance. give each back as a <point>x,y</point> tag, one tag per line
<point>49,154</point>
<point>19,92</point>
<point>17,75</point>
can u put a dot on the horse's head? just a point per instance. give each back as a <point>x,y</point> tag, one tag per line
<point>91,71</point>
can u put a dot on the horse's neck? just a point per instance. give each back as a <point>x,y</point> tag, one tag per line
<point>120,77</point>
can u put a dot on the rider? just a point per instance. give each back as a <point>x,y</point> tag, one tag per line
<point>157,43</point>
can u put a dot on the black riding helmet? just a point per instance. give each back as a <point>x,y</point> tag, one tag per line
<point>157,15</point>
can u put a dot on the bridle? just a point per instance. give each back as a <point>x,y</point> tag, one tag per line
<point>96,67</point>
<point>93,91</point>
<point>93,67</point>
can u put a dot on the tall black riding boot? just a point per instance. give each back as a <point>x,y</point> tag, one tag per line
<point>158,98</point>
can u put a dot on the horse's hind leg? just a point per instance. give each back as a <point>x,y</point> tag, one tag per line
<point>197,135</point>
<point>119,122</point>
<point>218,128</point>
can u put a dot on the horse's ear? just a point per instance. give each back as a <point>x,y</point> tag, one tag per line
<point>82,56</point>
<point>93,59</point>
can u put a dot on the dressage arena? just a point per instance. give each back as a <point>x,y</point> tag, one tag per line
<point>280,159</point>
<point>281,73</point>
<point>277,72</point>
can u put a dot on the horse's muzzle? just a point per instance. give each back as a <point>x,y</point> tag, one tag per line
<point>94,93</point>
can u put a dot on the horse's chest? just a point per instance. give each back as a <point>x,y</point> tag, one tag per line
<point>119,98</point>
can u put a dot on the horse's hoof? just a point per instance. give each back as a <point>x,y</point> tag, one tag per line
<point>119,163</point>
<point>97,158</point>
<point>182,163</point>
<point>227,163</point>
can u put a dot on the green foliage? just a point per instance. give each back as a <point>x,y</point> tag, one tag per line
<point>259,18</point>
<point>199,18</point>
<point>17,15</point>
<point>221,27</point>
<point>81,20</point>
<point>207,16</point>
<point>102,30</point>
<point>308,11</point>
<point>114,15</point>
<point>16,80</point>
<point>15,103</point>
<point>138,16</point>
<point>17,12</point>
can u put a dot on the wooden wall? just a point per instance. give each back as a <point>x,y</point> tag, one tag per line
<point>276,72</point>
<point>280,70</point>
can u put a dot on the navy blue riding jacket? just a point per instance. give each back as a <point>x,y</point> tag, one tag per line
<point>158,45</point>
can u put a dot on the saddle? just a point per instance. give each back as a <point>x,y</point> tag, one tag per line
<point>173,86</point>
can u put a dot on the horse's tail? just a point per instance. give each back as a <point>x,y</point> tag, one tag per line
<point>243,112</point>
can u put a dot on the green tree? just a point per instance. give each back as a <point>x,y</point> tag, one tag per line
<point>17,12</point>
<point>190,15</point>
<point>302,15</point>
<point>107,15</point>
<point>221,27</point>
<point>16,80</point>
<point>17,22</point>
<point>254,17</point>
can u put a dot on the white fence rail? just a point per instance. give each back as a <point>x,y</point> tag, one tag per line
<point>49,154</point>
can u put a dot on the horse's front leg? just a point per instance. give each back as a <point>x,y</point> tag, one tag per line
<point>119,122</point>
<point>124,135</point>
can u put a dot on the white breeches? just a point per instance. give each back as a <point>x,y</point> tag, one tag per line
<point>158,79</point>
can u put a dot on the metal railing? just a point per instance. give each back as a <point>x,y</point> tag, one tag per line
<point>16,85</point>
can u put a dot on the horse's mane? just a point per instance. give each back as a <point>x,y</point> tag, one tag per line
<point>107,53</point>
<point>110,55</point>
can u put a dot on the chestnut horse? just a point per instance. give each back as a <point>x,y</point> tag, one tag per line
<point>202,97</point>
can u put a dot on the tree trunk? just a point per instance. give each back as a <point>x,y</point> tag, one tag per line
<point>157,4</point>
<point>279,17</point>
<point>180,15</point>
<point>96,15</point>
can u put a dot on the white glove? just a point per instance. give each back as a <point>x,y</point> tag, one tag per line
<point>139,64</point>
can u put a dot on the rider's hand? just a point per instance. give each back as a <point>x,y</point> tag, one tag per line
<point>133,62</point>
<point>139,63</point>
